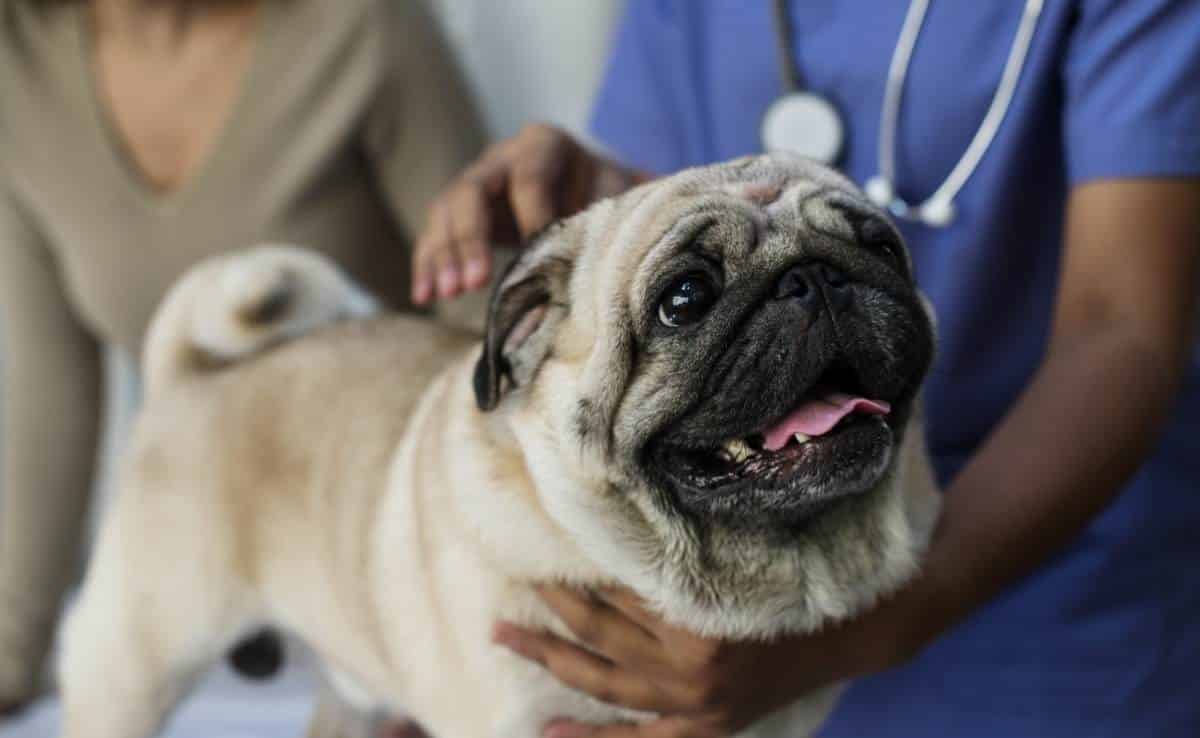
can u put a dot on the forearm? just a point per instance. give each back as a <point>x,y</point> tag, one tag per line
<point>1082,427</point>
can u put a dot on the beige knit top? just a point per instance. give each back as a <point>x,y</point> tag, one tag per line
<point>350,118</point>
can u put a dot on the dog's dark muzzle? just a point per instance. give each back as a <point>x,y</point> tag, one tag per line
<point>827,364</point>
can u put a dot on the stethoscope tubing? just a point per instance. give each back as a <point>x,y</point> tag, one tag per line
<point>938,209</point>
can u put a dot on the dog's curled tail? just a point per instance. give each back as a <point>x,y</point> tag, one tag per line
<point>230,307</point>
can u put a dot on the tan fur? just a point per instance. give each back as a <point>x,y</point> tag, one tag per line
<point>346,487</point>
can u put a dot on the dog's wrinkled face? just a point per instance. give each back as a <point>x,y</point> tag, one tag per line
<point>786,344</point>
<point>734,354</point>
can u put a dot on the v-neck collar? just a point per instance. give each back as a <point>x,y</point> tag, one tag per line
<point>116,149</point>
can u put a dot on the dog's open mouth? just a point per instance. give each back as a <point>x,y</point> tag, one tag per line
<point>836,441</point>
<point>822,413</point>
<point>825,422</point>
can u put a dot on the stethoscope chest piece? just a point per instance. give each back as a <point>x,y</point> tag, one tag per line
<point>806,124</point>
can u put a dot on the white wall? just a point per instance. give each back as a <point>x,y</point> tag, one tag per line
<point>531,59</point>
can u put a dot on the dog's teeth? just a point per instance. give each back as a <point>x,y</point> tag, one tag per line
<point>800,438</point>
<point>737,450</point>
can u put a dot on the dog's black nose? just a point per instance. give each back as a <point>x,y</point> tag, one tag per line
<point>814,282</point>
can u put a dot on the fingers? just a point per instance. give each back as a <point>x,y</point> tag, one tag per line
<point>629,604</point>
<point>535,173</point>
<point>579,668</point>
<point>630,658</point>
<point>424,266</point>
<point>680,668</point>
<point>602,628</point>
<point>622,663</point>
<point>506,187</point>
<point>447,265</point>
<point>454,252</point>
<point>516,188</point>
<point>690,655</point>
<point>469,220</point>
<point>437,263</point>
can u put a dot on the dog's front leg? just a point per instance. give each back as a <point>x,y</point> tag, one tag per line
<point>123,670</point>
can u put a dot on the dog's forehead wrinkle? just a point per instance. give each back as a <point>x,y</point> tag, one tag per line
<point>817,212</point>
<point>758,193</point>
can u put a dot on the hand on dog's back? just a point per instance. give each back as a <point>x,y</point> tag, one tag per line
<point>516,188</point>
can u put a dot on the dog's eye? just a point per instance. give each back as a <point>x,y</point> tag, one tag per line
<point>686,301</point>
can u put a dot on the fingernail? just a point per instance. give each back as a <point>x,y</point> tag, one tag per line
<point>476,272</point>
<point>448,282</point>
<point>565,729</point>
<point>421,290</point>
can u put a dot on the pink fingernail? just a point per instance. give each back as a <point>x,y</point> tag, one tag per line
<point>476,272</point>
<point>448,282</point>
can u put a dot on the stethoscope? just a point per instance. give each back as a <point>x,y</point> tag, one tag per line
<point>806,123</point>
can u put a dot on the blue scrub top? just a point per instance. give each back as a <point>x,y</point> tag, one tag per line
<point>1105,639</point>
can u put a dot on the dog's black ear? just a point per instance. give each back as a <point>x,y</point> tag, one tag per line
<point>527,305</point>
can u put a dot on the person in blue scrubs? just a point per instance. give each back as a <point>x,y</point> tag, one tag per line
<point>1061,596</point>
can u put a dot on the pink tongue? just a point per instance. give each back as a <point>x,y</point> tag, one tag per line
<point>817,417</point>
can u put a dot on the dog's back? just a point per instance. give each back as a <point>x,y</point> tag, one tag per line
<point>263,445</point>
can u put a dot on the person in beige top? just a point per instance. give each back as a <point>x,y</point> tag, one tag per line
<point>138,137</point>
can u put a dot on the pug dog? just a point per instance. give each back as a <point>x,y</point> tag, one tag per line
<point>704,390</point>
